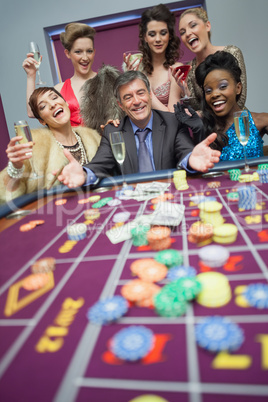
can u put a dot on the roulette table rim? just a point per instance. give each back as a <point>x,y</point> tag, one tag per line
<point>15,204</point>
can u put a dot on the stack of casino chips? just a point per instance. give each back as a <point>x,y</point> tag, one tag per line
<point>77,231</point>
<point>172,300</point>
<point>159,237</point>
<point>149,270</point>
<point>256,295</point>
<point>217,334</point>
<point>139,235</point>
<point>170,258</point>
<point>179,179</point>
<point>247,197</point>
<point>214,256</point>
<point>139,292</point>
<point>263,172</point>
<point>216,290</point>
<point>132,343</point>
<point>210,212</point>
<point>91,214</point>
<point>200,232</point>
<point>108,310</point>
<point>234,174</point>
<point>225,234</point>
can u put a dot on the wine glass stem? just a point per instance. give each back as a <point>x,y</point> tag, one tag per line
<point>246,162</point>
<point>123,177</point>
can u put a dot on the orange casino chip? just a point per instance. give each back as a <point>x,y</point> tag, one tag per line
<point>154,273</point>
<point>43,265</point>
<point>137,290</point>
<point>149,302</point>
<point>199,232</point>
<point>143,263</point>
<point>27,226</point>
<point>162,198</point>
<point>61,201</point>
<point>214,184</point>
<point>35,281</point>
<point>37,222</point>
<point>158,233</point>
<point>83,201</point>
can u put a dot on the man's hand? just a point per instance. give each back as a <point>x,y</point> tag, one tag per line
<point>203,157</point>
<point>73,174</point>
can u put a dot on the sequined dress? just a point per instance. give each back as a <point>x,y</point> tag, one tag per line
<point>196,91</point>
<point>162,93</point>
<point>234,150</point>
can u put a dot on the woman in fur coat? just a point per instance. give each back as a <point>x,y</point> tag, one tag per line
<point>46,150</point>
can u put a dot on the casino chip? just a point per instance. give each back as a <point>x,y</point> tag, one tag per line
<point>43,265</point>
<point>108,310</point>
<point>219,334</point>
<point>121,217</point>
<point>132,343</point>
<point>102,202</point>
<point>35,281</point>
<point>175,273</point>
<point>214,256</point>
<point>257,295</point>
<point>169,257</point>
<point>77,231</point>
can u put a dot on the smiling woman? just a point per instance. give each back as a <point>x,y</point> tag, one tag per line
<point>78,42</point>
<point>195,32</point>
<point>47,148</point>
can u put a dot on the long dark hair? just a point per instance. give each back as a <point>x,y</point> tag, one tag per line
<point>159,13</point>
<point>218,61</point>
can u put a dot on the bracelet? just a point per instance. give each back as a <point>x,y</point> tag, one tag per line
<point>13,172</point>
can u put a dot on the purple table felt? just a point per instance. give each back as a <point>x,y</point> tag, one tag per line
<point>49,350</point>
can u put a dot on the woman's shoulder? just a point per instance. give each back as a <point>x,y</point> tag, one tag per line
<point>260,120</point>
<point>59,86</point>
<point>234,50</point>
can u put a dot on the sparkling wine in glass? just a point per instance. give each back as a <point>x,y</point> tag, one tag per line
<point>241,122</point>
<point>34,48</point>
<point>184,70</point>
<point>22,129</point>
<point>119,149</point>
<point>134,59</point>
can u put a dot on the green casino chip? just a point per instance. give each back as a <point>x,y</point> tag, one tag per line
<point>170,257</point>
<point>102,202</point>
<point>263,166</point>
<point>233,196</point>
<point>189,288</point>
<point>139,235</point>
<point>169,304</point>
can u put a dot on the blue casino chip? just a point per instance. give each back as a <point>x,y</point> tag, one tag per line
<point>218,333</point>
<point>257,295</point>
<point>132,343</point>
<point>178,272</point>
<point>108,310</point>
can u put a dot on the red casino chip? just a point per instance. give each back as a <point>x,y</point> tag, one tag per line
<point>37,222</point>
<point>159,238</point>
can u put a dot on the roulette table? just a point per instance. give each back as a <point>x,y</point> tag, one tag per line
<point>51,351</point>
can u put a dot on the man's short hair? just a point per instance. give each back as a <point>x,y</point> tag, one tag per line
<point>128,77</point>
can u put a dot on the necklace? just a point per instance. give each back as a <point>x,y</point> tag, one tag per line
<point>78,148</point>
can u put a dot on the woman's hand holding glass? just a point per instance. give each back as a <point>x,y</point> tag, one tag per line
<point>132,60</point>
<point>29,65</point>
<point>18,152</point>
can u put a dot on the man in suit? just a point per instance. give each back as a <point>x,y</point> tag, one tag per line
<point>167,143</point>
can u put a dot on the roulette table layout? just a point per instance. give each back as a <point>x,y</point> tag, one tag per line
<point>51,351</point>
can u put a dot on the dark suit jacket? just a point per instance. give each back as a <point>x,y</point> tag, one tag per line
<point>171,143</point>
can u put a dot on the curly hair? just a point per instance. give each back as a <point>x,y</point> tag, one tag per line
<point>218,61</point>
<point>163,14</point>
<point>76,30</point>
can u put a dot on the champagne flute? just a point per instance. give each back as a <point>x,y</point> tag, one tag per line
<point>119,150</point>
<point>184,70</point>
<point>241,122</point>
<point>34,48</point>
<point>22,129</point>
